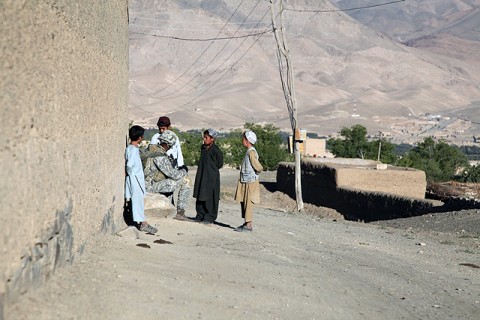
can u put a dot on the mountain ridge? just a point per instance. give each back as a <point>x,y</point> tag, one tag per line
<point>341,68</point>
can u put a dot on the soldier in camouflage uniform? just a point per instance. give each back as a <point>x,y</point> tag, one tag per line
<point>162,177</point>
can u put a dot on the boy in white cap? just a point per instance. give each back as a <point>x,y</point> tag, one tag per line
<point>248,187</point>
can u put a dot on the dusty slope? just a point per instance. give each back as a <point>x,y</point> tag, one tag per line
<point>338,63</point>
<point>409,20</point>
<point>293,266</point>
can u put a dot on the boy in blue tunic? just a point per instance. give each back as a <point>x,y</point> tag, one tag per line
<point>135,179</point>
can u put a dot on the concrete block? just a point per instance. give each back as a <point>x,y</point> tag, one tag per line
<point>382,166</point>
<point>158,206</point>
<point>129,233</point>
<point>157,201</point>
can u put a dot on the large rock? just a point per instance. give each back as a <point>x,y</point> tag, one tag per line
<point>158,206</point>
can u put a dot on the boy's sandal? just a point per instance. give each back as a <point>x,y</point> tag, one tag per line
<point>243,228</point>
<point>148,228</point>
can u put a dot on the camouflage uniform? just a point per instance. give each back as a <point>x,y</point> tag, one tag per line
<point>162,177</point>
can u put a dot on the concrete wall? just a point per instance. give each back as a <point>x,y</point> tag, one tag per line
<point>315,147</point>
<point>356,189</point>
<point>403,182</point>
<point>64,80</point>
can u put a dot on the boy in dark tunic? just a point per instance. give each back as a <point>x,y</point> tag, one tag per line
<point>207,180</point>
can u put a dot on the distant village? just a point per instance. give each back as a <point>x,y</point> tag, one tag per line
<point>401,130</point>
<point>411,130</point>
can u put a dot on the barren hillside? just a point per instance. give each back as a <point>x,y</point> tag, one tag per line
<point>341,66</point>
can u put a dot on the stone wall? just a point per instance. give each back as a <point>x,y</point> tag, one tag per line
<point>64,67</point>
<point>356,189</point>
<point>315,147</point>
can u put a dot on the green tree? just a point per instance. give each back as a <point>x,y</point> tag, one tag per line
<point>472,174</point>
<point>270,146</point>
<point>232,148</point>
<point>191,142</point>
<point>354,144</point>
<point>440,161</point>
<point>472,152</point>
<point>387,151</point>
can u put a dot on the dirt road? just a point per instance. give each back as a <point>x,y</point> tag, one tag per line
<point>293,266</point>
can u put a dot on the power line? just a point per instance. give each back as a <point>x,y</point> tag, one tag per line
<point>211,74</point>
<point>191,100</point>
<point>224,74</point>
<point>141,109</point>
<point>243,23</point>
<point>204,39</point>
<point>203,52</point>
<point>191,22</point>
<point>179,29</point>
<point>258,34</point>
<point>213,59</point>
<point>343,10</point>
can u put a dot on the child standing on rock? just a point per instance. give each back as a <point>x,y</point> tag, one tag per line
<point>248,186</point>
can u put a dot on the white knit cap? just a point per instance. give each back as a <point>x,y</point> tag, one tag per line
<point>212,133</point>
<point>251,136</point>
<point>154,139</point>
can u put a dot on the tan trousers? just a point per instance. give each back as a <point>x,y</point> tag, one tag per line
<point>247,194</point>
<point>247,210</point>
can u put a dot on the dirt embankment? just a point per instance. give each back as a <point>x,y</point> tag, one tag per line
<point>460,227</point>
<point>312,265</point>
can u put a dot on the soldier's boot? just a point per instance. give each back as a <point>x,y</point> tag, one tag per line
<point>181,215</point>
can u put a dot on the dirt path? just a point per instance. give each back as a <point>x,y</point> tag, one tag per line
<point>293,266</point>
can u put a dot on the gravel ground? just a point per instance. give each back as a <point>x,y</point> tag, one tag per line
<point>459,227</point>
<point>311,265</point>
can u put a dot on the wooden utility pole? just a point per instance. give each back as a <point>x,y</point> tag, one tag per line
<point>379,145</point>
<point>288,85</point>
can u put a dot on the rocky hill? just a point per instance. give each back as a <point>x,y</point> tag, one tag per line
<point>346,71</point>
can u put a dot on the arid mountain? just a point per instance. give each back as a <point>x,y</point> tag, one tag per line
<point>346,72</point>
<point>412,19</point>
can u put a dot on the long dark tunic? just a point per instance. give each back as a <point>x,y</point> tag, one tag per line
<point>207,179</point>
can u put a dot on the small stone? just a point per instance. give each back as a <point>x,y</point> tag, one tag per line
<point>129,233</point>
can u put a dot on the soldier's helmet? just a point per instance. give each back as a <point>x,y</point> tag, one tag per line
<point>167,137</point>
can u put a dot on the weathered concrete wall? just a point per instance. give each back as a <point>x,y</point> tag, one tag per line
<point>64,80</point>
<point>356,189</point>
<point>403,182</point>
<point>316,147</point>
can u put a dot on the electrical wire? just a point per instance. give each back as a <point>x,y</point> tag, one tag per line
<point>224,74</point>
<point>213,59</point>
<point>203,39</point>
<point>190,22</point>
<point>201,55</point>
<point>259,35</point>
<point>344,10</point>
